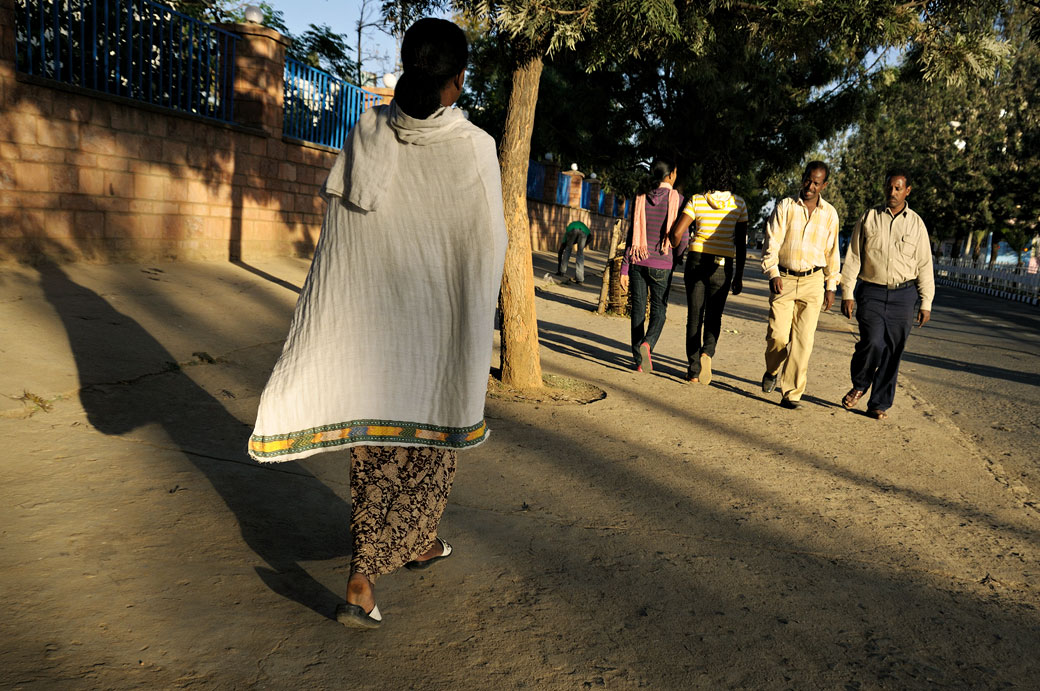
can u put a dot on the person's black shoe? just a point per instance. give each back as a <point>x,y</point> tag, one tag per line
<point>789,404</point>
<point>768,382</point>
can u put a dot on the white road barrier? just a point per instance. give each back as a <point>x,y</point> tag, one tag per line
<point>1001,280</point>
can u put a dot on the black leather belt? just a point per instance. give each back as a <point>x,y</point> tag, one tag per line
<point>898,286</point>
<point>799,274</point>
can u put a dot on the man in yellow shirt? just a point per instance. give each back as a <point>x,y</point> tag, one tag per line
<point>888,265</point>
<point>802,262</point>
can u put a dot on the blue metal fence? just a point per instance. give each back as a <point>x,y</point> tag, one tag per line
<point>319,107</point>
<point>536,173</point>
<point>563,189</point>
<point>137,49</point>
<point>535,180</point>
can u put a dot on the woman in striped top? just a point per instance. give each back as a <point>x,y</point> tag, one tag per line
<point>714,265</point>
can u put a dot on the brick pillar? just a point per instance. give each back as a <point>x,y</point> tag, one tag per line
<point>385,95</point>
<point>574,194</point>
<point>259,77</point>
<point>552,174</point>
<point>594,186</point>
<point>608,204</point>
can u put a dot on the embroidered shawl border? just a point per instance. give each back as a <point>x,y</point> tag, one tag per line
<point>380,431</point>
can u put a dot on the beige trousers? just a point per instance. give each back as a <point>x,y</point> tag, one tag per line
<point>793,315</point>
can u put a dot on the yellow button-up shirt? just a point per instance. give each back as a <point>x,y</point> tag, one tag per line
<point>801,241</point>
<point>889,250</point>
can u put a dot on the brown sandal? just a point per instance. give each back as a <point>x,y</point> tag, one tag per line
<point>851,399</point>
<point>877,414</point>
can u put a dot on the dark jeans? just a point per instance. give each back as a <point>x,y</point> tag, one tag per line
<point>641,281</point>
<point>707,285</point>
<point>563,257</point>
<point>885,318</point>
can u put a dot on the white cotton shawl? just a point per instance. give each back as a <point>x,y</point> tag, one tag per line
<point>391,340</point>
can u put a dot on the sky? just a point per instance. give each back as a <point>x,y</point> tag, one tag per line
<point>342,17</point>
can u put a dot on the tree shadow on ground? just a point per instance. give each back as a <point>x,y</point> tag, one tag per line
<point>570,300</point>
<point>1017,376</point>
<point>1018,313</point>
<point>575,343</point>
<point>274,505</point>
<point>681,555</point>
<point>266,276</point>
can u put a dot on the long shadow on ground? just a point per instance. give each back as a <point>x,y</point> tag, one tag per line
<point>274,505</point>
<point>808,618</point>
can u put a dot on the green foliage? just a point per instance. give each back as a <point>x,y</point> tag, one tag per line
<point>321,47</point>
<point>620,27</point>
<point>759,84</point>
<point>231,11</point>
<point>583,117</point>
<point>972,146</point>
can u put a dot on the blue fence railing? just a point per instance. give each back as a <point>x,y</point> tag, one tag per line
<point>319,107</point>
<point>536,185</point>
<point>535,180</point>
<point>563,189</point>
<point>137,49</point>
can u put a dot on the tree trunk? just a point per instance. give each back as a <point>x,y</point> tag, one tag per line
<point>604,291</point>
<point>977,237</point>
<point>521,362</point>
<point>359,46</point>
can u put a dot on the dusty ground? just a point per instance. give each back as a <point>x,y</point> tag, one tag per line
<point>667,536</point>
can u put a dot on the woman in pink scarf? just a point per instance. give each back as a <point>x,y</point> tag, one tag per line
<point>649,258</point>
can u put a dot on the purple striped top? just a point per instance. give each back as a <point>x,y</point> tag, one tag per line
<point>656,230</point>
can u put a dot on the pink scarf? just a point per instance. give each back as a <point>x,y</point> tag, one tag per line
<point>638,251</point>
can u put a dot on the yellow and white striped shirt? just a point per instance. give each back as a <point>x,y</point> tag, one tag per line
<point>800,241</point>
<point>714,224</point>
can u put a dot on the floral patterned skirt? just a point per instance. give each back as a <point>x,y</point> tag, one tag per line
<point>397,494</point>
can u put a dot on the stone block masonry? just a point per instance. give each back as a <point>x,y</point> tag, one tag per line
<point>89,177</point>
<point>85,176</point>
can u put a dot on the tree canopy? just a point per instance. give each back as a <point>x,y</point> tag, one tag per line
<point>319,46</point>
<point>756,83</point>
<point>759,84</point>
<point>972,148</point>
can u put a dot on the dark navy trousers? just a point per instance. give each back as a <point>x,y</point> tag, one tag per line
<point>885,318</point>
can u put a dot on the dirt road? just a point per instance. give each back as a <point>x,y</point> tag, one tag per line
<point>669,536</point>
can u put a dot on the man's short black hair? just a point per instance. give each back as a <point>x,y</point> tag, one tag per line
<point>898,173</point>
<point>816,165</point>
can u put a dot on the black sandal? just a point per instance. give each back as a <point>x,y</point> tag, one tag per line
<point>427,563</point>
<point>353,615</point>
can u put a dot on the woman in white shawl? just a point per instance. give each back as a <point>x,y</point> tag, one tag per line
<point>390,345</point>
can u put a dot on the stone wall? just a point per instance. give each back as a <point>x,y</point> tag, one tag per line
<point>85,176</point>
<point>549,222</point>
